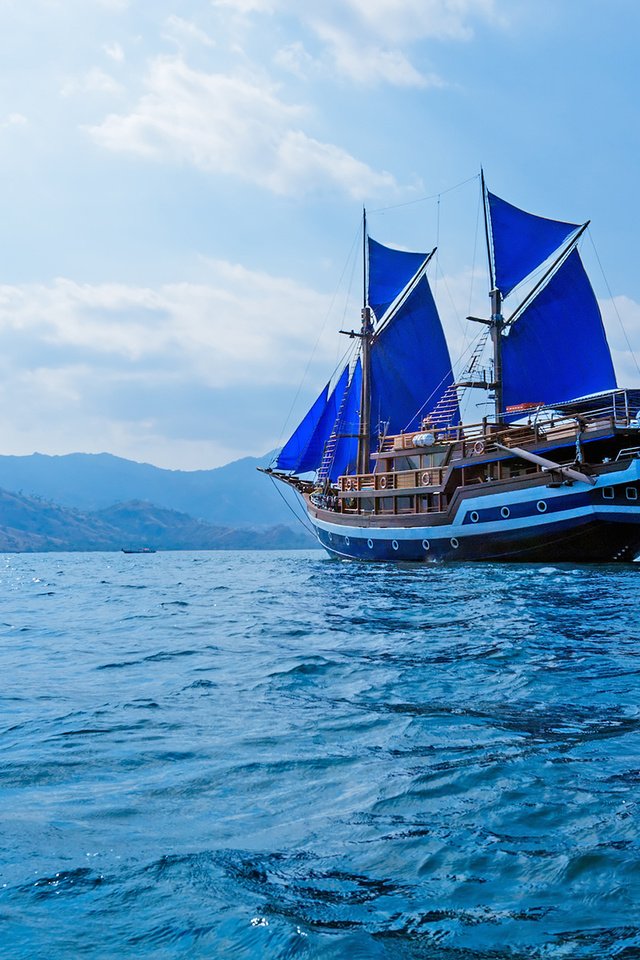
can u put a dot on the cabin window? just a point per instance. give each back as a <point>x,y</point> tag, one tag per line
<point>407,463</point>
<point>607,493</point>
<point>406,504</point>
<point>632,493</point>
<point>366,504</point>
<point>433,459</point>
<point>385,504</point>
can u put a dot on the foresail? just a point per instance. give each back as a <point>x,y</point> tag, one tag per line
<point>410,365</point>
<point>292,455</point>
<point>557,348</point>
<point>304,450</point>
<point>389,273</point>
<point>521,241</point>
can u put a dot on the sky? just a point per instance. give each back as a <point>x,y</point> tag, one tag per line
<point>183,186</point>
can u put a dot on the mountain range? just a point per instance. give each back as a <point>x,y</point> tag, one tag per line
<point>235,495</point>
<point>101,502</point>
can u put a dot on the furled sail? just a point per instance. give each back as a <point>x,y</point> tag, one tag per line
<point>410,364</point>
<point>303,451</point>
<point>389,273</point>
<point>521,241</point>
<point>557,348</point>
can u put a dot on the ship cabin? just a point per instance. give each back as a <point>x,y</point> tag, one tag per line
<point>422,472</point>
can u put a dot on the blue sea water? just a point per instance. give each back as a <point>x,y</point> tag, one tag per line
<point>282,756</point>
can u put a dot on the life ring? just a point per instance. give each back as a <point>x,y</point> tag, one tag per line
<point>425,479</point>
<point>349,484</point>
<point>478,447</point>
<point>383,483</point>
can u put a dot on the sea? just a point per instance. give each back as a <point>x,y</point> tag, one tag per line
<point>279,755</point>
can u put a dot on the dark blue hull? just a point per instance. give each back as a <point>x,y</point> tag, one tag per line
<point>580,524</point>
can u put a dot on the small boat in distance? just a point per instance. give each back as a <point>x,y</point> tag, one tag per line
<point>387,470</point>
<point>140,550</point>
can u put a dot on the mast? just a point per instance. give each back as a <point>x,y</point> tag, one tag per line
<point>497,320</point>
<point>364,432</point>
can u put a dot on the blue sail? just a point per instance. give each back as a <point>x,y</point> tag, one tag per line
<point>410,365</point>
<point>557,348</point>
<point>293,453</point>
<point>303,451</point>
<point>521,241</point>
<point>389,273</point>
<point>347,427</point>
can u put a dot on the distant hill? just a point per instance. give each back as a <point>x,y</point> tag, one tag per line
<point>235,495</point>
<point>31,524</point>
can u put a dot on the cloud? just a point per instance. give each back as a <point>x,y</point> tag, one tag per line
<point>14,120</point>
<point>158,372</point>
<point>622,321</point>
<point>114,51</point>
<point>180,30</point>
<point>371,65</point>
<point>246,6</point>
<point>234,126</point>
<point>94,81</point>
<point>401,21</point>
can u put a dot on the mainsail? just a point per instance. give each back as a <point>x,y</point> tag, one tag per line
<point>557,348</point>
<point>410,369</point>
<point>410,364</point>
<point>521,241</point>
<point>389,273</point>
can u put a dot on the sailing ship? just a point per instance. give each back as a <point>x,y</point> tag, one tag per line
<point>387,470</point>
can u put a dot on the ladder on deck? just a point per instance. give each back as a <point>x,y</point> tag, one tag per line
<point>448,405</point>
<point>330,446</point>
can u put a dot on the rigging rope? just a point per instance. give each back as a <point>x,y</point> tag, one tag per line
<point>307,527</point>
<point>615,306</point>
<point>433,196</point>
<point>350,259</point>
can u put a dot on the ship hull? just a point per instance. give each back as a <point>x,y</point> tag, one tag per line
<point>578,524</point>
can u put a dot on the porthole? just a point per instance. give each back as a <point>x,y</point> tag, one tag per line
<point>542,506</point>
<point>607,493</point>
<point>474,516</point>
<point>632,493</point>
<point>505,512</point>
<point>370,543</point>
<point>425,544</point>
<point>454,543</point>
<point>347,541</point>
<point>394,544</point>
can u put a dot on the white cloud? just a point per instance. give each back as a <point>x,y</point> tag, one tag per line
<point>114,51</point>
<point>238,326</point>
<point>294,58</point>
<point>370,64</point>
<point>234,126</point>
<point>101,366</point>
<point>94,81</point>
<point>622,321</point>
<point>246,6</point>
<point>14,120</point>
<point>179,30</point>
<point>400,21</point>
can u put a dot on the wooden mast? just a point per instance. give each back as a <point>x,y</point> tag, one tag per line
<point>364,430</point>
<point>496,323</point>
